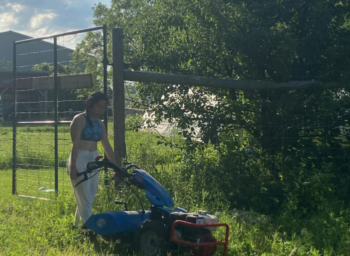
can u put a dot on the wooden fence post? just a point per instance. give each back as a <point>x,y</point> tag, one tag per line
<point>118,96</point>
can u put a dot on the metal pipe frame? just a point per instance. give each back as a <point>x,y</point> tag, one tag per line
<point>55,122</point>
<point>56,111</point>
<point>14,130</point>
<point>105,63</point>
<point>58,35</point>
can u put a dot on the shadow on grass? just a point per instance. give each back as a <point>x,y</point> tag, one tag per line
<point>103,246</point>
<point>127,248</point>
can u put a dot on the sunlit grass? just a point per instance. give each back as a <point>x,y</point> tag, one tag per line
<point>38,227</point>
<point>44,227</point>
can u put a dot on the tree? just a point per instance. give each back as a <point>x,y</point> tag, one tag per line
<point>5,65</point>
<point>274,40</point>
<point>61,69</point>
<point>271,40</point>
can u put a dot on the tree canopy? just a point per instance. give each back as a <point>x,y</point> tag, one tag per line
<point>5,65</point>
<point>295,134</point>
<point>271,40</point>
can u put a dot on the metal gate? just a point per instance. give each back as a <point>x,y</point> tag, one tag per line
<point>45,83</point>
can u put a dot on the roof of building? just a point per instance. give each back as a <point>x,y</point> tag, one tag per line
<point>16,33</point>
<point>30,53</point>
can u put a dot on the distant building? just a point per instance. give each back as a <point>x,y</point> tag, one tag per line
<point>27,56</point>
<point>31,53</point>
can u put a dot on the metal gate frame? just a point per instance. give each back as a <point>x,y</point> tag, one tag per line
<point>54,122</point>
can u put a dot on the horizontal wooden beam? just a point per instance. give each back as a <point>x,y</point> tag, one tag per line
<point>64,82</point>
<point>221,83</point>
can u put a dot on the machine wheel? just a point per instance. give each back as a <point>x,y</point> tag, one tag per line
<point>151,238</point>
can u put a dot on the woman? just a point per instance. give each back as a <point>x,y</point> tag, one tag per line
<point>86,130</point>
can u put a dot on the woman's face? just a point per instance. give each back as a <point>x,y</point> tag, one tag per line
<point>99,108</point>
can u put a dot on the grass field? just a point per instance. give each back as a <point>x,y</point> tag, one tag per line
<point>38,227</point>
<point>43,227</point>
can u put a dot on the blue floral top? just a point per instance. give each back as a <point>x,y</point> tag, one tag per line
<point>94,132</point>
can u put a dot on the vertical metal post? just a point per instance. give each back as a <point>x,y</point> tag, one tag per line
<point>118,96</point>
<point>56,112</point>
<point>105,62</point>
<point>14,118</point>
<point>45,104</point>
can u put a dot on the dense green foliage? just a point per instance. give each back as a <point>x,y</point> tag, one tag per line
<point>5,65</point>
<point>279,40</point>
<point>299,161</point>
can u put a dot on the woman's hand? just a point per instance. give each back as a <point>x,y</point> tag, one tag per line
<point>73,174</point>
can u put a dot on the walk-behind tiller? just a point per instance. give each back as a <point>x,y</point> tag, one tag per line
<point>160,229</point>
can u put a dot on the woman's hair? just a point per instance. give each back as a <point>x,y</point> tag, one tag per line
<point>94,98</point>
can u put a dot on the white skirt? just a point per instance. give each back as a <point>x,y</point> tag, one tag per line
<point>86,191</point>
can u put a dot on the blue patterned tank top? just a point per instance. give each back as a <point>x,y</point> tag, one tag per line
<point>93,133</point>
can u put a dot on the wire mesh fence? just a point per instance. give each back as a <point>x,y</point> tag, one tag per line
<point>43,113</point>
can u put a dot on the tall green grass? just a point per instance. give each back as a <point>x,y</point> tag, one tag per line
<point>39,227</point>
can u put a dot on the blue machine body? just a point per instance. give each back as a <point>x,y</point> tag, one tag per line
<point>128,221</point>
<point>155,192</point>
<point>108,223</point>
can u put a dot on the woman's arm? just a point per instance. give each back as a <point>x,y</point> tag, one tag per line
<point>76,128</point>
<point>106,145</point>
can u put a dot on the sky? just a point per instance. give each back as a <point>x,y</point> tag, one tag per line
<point>38,18</point>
